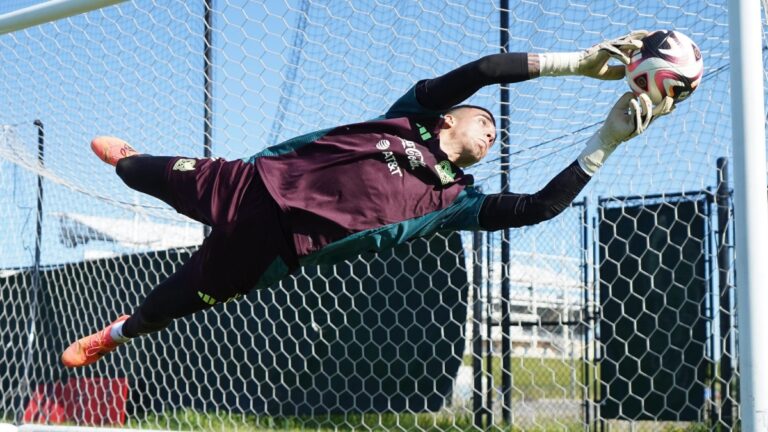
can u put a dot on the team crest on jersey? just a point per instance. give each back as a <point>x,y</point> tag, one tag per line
<point>445,172</point>
<point>184,165</point>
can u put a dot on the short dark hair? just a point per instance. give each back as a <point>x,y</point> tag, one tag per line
<point>458,107</point>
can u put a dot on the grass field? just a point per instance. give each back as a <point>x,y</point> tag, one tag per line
<point>540,378</point>
<point>533,379</point>
<point>191,421</point>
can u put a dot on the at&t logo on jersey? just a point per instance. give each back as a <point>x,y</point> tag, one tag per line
<point>389,158</point>
<point>415,157</point>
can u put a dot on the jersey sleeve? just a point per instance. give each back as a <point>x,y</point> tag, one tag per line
<point>409,105</point>
<point>509,210</point>
<point>438,95</point>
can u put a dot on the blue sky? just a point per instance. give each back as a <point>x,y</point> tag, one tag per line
<point>135,70</point>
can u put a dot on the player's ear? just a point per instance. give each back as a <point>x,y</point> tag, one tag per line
<point>448,121</point>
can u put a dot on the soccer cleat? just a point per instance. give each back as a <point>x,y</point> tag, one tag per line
<point>111,149</point>
<point>91,348</point>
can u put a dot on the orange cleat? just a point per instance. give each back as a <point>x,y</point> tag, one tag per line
<point>111,149</point>
<point>91,348</point>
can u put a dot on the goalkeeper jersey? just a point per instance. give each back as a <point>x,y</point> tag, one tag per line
<point>368,186</point>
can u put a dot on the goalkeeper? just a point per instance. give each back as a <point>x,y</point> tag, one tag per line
<point>330,195</point>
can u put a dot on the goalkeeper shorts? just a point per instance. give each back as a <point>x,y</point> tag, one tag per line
<point>249,245</point>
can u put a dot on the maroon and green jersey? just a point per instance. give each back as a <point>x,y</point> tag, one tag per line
<point>368,186</point>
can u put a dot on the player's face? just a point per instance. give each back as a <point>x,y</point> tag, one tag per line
<point>474,132</point>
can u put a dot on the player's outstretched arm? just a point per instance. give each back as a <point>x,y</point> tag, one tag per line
<point>593,62</point>
<point>629,117</point>
<point>451,89</point>
<point>454,87</point>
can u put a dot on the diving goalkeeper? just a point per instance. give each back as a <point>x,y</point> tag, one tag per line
<point>330,195</point>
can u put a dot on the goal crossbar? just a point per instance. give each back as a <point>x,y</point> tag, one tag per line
<point>49,11</point>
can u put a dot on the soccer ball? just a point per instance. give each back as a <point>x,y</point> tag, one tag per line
<point>668,64</point>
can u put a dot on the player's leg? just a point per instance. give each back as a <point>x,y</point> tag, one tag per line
<point>207,190</point>
<point>147,174</point>
<point>226,267</point>
<point>141,172</point>
<point>171,299</point>
<point>221,270</point>
<point>253,252</point>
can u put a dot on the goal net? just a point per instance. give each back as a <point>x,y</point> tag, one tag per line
<point>619,311</point>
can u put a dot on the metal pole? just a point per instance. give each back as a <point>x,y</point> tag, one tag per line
<point>750,208</point>
<point>208,82</point>
<point>723,198</point>
<point>708,309</point>
<point>594,321</point>
<point>208,87</point>
<point>39,217</point>
<point>25,386</point>
<point>477,336</point>
<point>489,351</point>
<point>506,351</point>
<point>585,312</point>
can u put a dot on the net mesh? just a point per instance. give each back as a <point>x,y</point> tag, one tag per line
<point>280,69</point>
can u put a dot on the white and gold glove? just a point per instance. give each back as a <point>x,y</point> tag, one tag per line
<point>593,62</point>
<point>629,117</point>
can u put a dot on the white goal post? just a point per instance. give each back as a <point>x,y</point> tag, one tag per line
<point>49,11</point>
<point>751,207</point>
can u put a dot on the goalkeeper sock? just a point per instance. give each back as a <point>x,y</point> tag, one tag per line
<point>116,333</point>
<point>558,64</point>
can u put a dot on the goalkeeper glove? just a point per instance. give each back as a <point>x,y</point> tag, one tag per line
<point>593,62</point>
<point>629,117</point>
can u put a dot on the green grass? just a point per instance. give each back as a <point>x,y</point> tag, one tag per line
<point>532,379</point>
<point>190,420</point>
<point>538,378</point>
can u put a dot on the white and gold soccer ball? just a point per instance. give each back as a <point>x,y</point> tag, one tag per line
<point>668,64</point>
